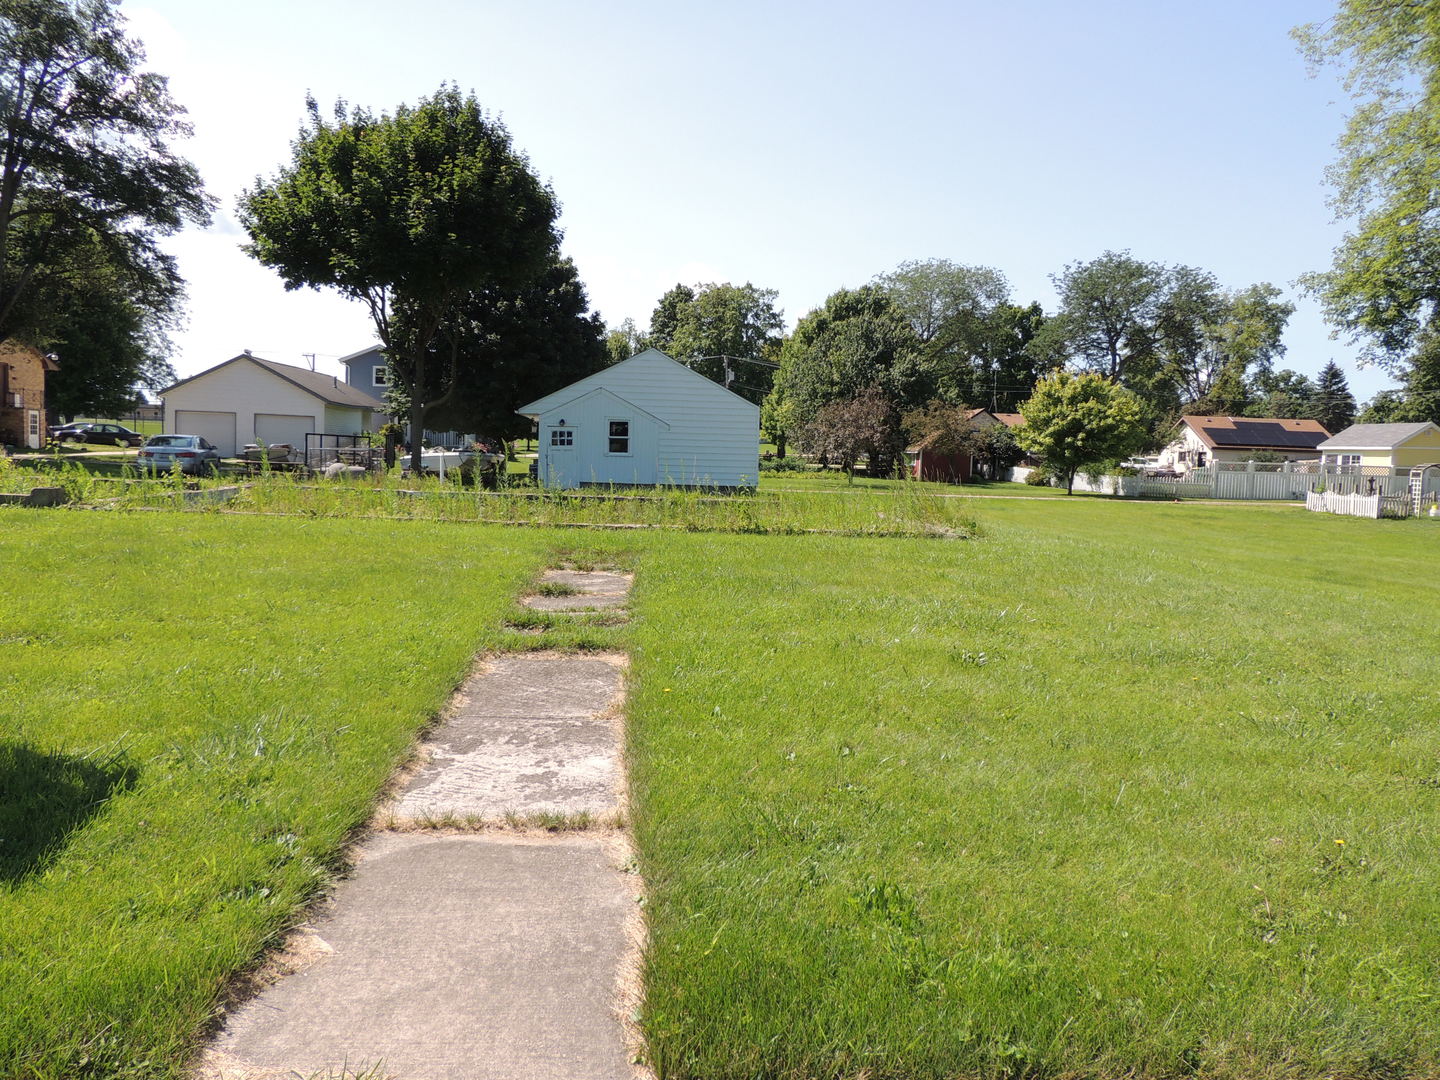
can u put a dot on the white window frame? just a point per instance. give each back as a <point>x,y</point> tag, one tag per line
<point>628,436</point>
<point>556,443</point>
<point>380,375</point>
<point>1348,461</point>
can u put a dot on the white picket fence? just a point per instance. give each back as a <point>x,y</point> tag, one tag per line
<point>1333,502</point>
<point>1254,480</point>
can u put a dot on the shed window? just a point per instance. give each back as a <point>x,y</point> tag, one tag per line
<point>1348,461</point>
<point>562,437</point>
<point>619,436</point>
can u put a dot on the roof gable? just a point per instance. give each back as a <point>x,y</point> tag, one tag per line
<point>603,391</point>
<point>328,388</point>
<point>1256,433</point>
<point>648,357</point>
<point>376,350</point>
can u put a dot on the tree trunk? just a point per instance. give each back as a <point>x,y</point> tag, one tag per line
<point>417,412</point>
<point>1070,482</point>
<point>780,445</point>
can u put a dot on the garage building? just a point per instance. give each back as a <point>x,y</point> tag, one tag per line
<point>646,421</point>
<point>250,400</point>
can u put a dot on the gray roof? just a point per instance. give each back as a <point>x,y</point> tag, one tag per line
<point>1373,436</point>
<point>328,388</point>
<point>358,353</point>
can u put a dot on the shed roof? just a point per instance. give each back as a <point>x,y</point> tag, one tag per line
<point>1256,433</point>
<point>561,397</point>
<point>328,388</point>
<point>1375,436</point>
<point>1009,419</point>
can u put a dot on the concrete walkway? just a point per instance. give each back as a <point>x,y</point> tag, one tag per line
<point>467,946</point>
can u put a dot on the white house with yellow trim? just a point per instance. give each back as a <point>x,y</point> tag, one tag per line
<point>1376,446</point>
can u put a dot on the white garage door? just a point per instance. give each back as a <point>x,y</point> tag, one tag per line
<point>218,427</point>
<point>272,428</point>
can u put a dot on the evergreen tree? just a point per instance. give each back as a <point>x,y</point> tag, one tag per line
<point>1333,404</point>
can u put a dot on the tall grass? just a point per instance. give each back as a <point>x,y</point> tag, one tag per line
<point>898,512</point>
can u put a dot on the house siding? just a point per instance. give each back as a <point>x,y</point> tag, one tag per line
<point>710,437</point>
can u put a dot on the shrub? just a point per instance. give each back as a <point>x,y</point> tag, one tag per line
<point>1039,476</point>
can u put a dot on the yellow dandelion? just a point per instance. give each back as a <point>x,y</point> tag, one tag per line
<point>1340,842</point>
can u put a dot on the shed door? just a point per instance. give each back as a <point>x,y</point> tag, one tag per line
<point>217,427</point>
<point>272,428</point>
<point>558,449</point>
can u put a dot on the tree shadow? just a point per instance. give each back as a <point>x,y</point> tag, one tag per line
<point>46,797</point>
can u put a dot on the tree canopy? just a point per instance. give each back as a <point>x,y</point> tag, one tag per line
<point>88,186</point>
<point>857,340</point>
<point>1383,288</point>
<point>415,213</point>
<point>974,344</point>
<point>1077,420</point>
<point>518,344</point>
<point>723,320</point>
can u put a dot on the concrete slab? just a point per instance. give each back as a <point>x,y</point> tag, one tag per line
<point>532,735</point>
<point>577,602</point>
<point>486,768</point>
<point>452,958</point>
<point>589,581</point>
<point>540,685</point>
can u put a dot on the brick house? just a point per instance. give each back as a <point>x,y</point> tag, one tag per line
<point>22,394</point>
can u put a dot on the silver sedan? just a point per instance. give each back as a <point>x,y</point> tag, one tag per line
<point>194,454</point>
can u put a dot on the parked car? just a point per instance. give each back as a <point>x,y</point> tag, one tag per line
<point>68,432</point>
<point>107,434</point>
<point>195,454</point>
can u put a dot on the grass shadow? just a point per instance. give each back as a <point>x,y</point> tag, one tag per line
<point>46,797</point>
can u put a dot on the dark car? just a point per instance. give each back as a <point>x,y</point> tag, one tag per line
<point>68,432</point>
<point>107,434</point>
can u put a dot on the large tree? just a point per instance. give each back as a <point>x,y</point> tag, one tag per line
<point>857,340</point>
<point>972,339</point>
<point>108,323</point>
<point>738,322</point>
<point>414,213</point>
<point>1418,399</point>
<point>517,344</point>
<point>89,185</point>
<point>1214,342</point>
<point>666,316</point>
<point>1110,309</point>
<point>1072,421</point>
<point>1383,289</point>
<point>624,341</point>
<point>1334,405</point>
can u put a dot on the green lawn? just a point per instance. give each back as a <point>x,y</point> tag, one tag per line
<point>1119,790</point>
<point>194,713</point>
<point>1062,800</point>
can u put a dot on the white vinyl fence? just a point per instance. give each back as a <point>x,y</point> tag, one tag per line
<point>1262,480</point>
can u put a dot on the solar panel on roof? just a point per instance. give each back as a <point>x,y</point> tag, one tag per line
<point>1260,433</point>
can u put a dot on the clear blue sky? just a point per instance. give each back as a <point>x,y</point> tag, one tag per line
<point>801,146</point>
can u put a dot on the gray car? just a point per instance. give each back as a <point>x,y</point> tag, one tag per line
<point>195,454</point>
